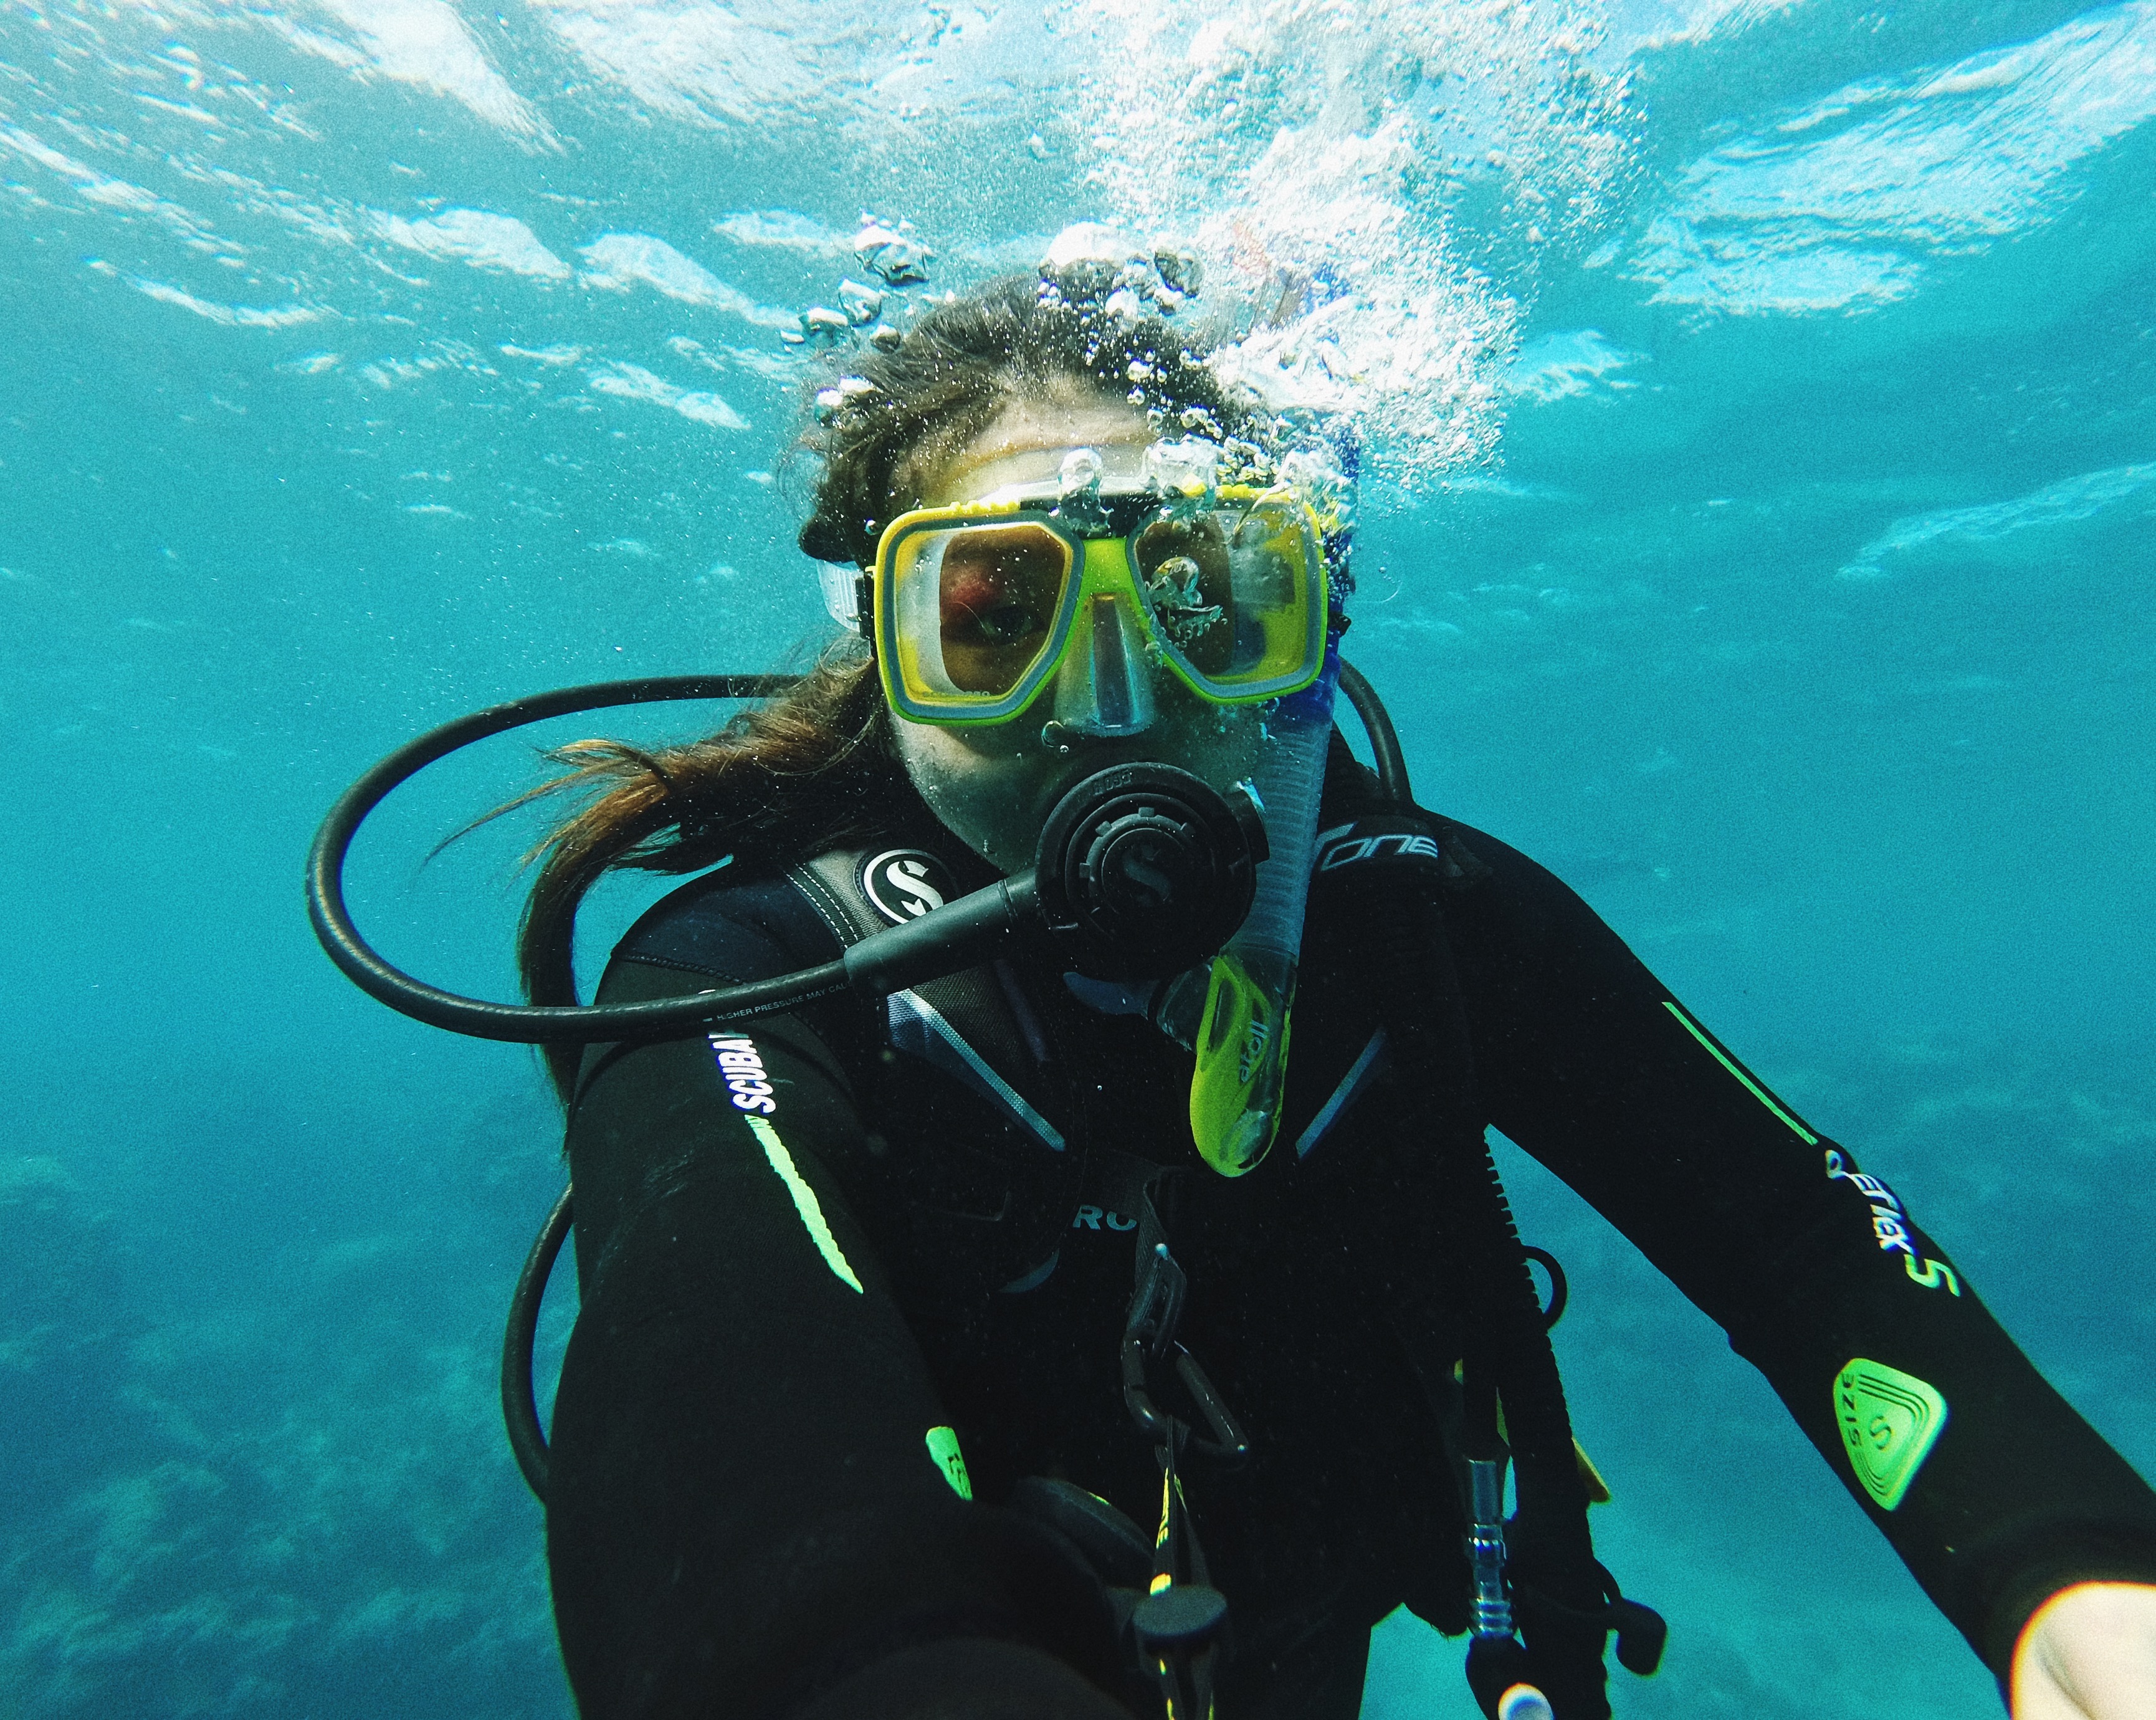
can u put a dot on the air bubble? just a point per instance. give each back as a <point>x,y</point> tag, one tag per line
<point>1080,471</point>
<point>892,257</point>
<point>863,304</point>
<point>1184,468</point>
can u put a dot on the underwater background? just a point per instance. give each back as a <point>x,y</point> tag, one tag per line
<point>1759,528</point>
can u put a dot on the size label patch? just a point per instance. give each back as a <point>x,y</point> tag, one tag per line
<point>1890,1421</point>
<point>943,1450</point>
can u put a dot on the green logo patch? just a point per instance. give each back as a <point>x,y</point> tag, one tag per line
<point>1890,1421</point>
<point>943,1449</point>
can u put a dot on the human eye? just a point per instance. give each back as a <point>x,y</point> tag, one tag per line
<point>998,591</point>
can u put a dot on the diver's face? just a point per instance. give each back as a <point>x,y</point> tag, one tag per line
<point>993,785</point>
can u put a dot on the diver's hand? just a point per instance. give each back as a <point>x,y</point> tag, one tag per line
<point>2089,1653</point>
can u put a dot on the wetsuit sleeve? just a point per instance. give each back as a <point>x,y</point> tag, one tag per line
<point>1995,1493</point>
<point>755,1505</point>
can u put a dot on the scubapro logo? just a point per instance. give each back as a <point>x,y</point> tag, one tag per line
<point>903,883</point>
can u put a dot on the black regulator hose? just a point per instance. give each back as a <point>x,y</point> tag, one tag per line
<point>1384,739</point>
<point>517,1023</point>
<point>1104,828</point>
<point>520,1406</point>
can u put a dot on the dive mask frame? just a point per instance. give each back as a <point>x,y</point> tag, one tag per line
<point>1098,530</point>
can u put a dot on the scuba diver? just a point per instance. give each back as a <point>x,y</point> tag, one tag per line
<point>1120,1316</point>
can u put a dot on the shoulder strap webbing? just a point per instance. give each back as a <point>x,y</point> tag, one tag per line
<point>1457,1211</point>
<point>831,881</point>
<point>962,1024</point>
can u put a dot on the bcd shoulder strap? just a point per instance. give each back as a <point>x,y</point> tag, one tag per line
<point>977,1027</point>
<point>1538,1572</point>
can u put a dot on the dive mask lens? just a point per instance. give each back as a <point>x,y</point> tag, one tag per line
<point>970,617</point>
<point>1235,593</point>
<point>973,613</point>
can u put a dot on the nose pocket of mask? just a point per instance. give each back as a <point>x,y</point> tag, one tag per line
<point>1102,688</point>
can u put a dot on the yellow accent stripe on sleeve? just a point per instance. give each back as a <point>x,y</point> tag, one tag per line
<point>1751,1086</point>
<point>943,1451</point>
<point>804,1202</point>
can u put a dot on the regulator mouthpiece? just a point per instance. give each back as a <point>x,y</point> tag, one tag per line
<point>1143,869</point>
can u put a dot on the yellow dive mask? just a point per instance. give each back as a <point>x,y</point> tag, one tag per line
<point>975,605</point>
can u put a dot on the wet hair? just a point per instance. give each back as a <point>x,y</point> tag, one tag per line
<point>813,763</point>
<point>816,765</point>
<point>958,367</point>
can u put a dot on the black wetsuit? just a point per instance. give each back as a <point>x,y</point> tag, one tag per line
<point>806,1246</point>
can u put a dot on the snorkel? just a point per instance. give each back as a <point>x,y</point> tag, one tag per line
<point>1241,1044</point>
<point>1237,1092</point>
<point>1031,636</point>
<point>1240,1036</point>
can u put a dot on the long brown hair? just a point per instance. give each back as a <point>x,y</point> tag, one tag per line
<point>816,765</point>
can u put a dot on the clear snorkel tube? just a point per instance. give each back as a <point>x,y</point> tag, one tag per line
<point>1241,1035</point>
<point>1241,1044</point>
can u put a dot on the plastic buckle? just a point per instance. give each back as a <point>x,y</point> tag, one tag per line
<point>1157,1304</point>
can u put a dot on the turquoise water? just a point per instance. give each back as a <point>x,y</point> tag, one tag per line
<point>1760,527</point>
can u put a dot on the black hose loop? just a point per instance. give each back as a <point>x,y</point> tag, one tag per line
<point>1560,1291</point>
<point>523,1024</point>
<point>662,1018</point>
<point>519,1405</point>
<point>1384,739</point>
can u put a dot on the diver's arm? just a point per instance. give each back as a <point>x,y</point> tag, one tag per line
<point>750,1510</point>
<point>1817,1272</point>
